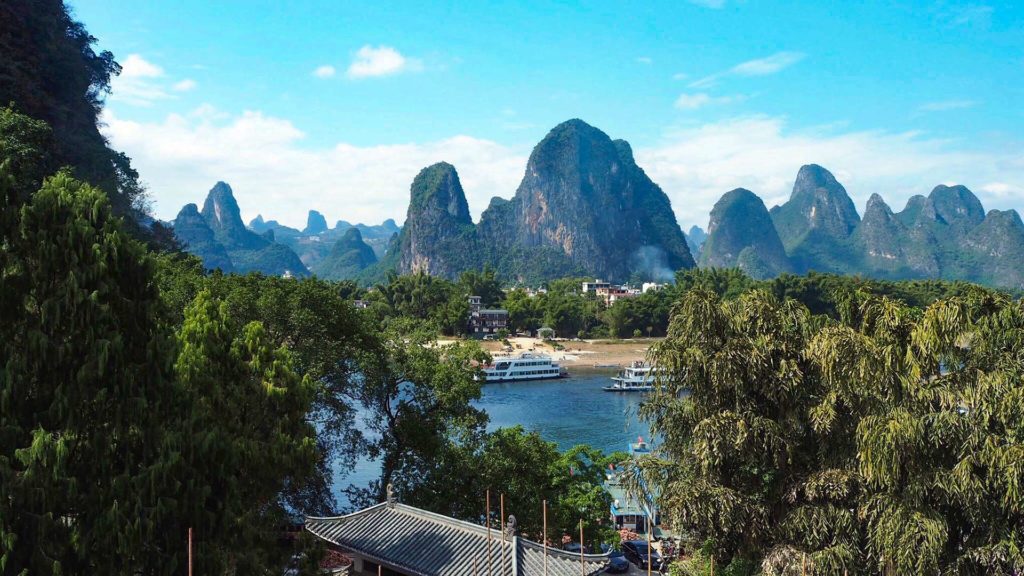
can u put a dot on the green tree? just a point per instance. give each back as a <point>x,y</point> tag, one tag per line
<point>524,311</point>
<point>483,284</point>
<point>324,334</point>
<point>737,445</point>
<point>245,438</point>
<point>24,145</point>
<point>85,387</point>
<point>415,397</point>
<point>939,447</point>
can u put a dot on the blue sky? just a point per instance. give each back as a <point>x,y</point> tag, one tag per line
<point>336,105</point>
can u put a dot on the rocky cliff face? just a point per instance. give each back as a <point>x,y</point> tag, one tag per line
<point>224,233</point>
<point>957,207</point>
<point>438,237</point>
<point>695,238</point>
<point>315,223</point>
<point>197,238</point>
<point>585,204</point>
<point>348,257</point>
<point>996,248</point>
<point>887,247</point>
<point>583,207</point>
<point>943,235</point>
<point>816,222</point>
<point>741,234</point>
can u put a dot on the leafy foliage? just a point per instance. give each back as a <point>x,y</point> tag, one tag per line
<point>884,440</point>
<point>52,73</point>
<point>84,386</point>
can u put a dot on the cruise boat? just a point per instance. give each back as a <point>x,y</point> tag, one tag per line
<point>637,377</point>
<point>525,366</point>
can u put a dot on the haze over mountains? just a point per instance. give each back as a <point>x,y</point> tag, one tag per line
<point>584,207</point>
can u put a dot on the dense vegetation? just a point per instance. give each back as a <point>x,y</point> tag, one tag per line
<point>51,73</point>
<point>886,439</point>
<point>831,424</point>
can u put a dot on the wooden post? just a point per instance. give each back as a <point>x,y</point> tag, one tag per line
<point>583,566</point>
<point>803,564</point>
<point>712,563</point>
<point>501,524</point>
<point>488,514</point>
<point>649,550</point>
<point>380,570</point>
<point>190,552</point>
<point>545,536</point>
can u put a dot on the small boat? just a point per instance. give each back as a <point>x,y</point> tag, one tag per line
<point>525,366</point>
<point>637,377</point>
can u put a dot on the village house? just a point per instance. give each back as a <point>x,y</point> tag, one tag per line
<point>395,539</point>
<point>483,321</point>
<point>613,294</point>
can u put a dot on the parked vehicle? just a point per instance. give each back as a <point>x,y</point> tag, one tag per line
<point>617,563</point>
<point>638,552</point>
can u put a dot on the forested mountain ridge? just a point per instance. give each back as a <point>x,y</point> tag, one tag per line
<point>946,235</point>
<point>315,242</point>
<point>583,207</point>
<point>218,236</point>
<point>50,71</point>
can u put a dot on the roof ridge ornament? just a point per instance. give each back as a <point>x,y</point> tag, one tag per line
<point>510,526</point>
<point>391,496</point>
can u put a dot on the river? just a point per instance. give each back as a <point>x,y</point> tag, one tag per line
<point>566,411</point>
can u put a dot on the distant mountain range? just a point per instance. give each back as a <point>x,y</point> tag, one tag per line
<point>584,207</point>
<point>945,235</point>
<point>218,236</point>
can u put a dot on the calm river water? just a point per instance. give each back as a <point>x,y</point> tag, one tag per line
<point>567,411</point>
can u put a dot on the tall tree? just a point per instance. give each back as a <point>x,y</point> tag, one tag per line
<point>415,400</point>
<point>732,410</point>
<point>245,438</point>
<point>84,387</point>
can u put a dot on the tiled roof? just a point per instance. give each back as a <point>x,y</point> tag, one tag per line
<point>428,544</point>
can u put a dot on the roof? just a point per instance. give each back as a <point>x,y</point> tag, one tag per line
<point>428,544</point>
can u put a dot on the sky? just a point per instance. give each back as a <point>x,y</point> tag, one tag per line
<point>335,106</point>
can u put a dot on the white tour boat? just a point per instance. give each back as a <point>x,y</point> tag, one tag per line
<point>525,366</point>
<point>637,377</point>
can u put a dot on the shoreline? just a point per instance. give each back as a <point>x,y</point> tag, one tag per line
<point>596,355</point>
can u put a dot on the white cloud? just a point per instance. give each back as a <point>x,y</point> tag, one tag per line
<point>701,99</point>
<point>380,61</point>
<point>135,66</point>
<point>273,172</point>
<point>945,105</point>
<point>696,164</point>
<point>716,4</point>
<point>680,76</point>
<point>645,60</point>
<point>769,65</point>
<point>141,83</point>
<point>325,71</point>
<point>757,67</point>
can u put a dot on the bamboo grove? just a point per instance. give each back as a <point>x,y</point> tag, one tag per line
<point>884,440</point>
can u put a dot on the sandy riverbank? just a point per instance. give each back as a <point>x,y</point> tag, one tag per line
<point>581,353</point>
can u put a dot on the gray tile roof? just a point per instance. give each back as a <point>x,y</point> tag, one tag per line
<point>428,544</point>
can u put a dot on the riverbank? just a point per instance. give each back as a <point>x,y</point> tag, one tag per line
<point>580,353</point>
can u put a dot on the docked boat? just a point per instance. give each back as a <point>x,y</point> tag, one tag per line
<point>637,377</point>
<point>525,366</point>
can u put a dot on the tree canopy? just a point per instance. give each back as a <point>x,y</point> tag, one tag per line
<point>884,441</point>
